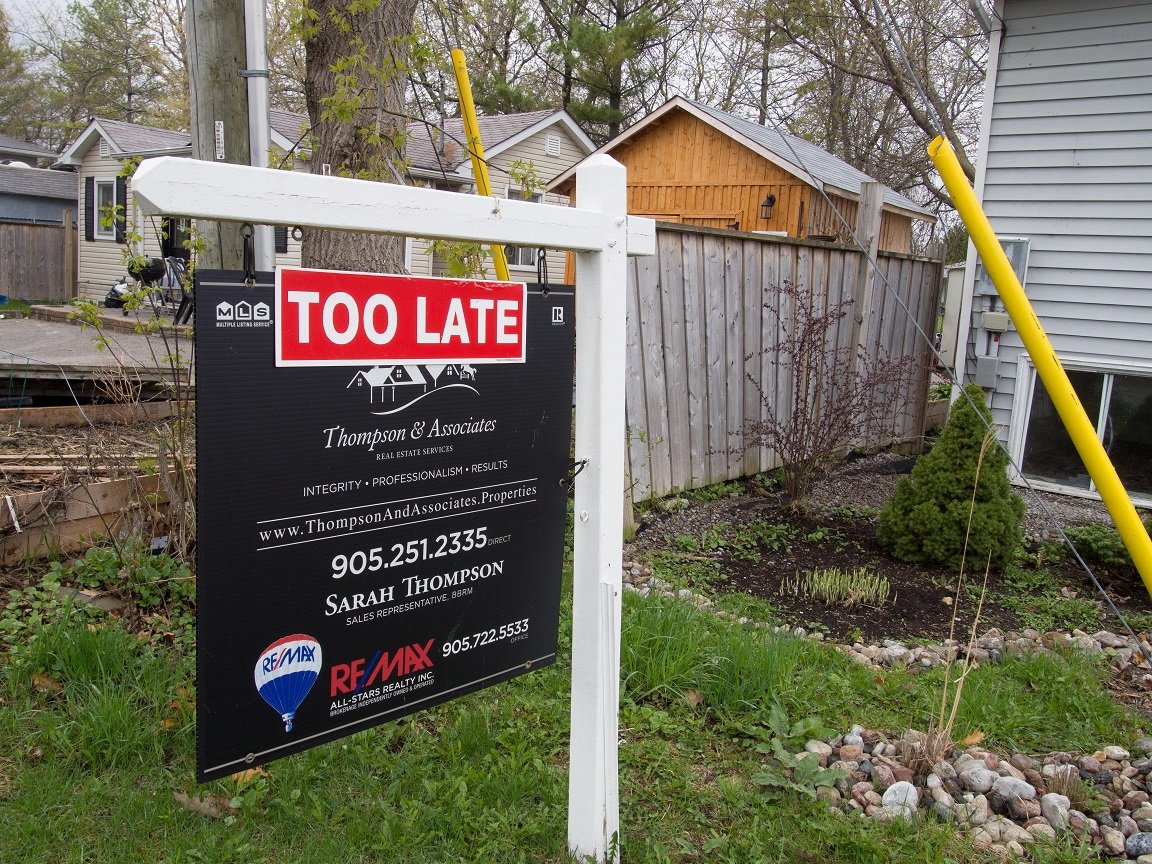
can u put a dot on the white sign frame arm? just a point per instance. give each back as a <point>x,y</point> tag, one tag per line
<point>602,235</point>
<point>174,186</point>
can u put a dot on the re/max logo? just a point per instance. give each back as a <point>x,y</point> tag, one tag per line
<point>298,654</point>
<point>355,676</point>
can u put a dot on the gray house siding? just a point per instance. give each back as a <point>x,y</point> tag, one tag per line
<point>1066,161</point>
<point>26,208</point>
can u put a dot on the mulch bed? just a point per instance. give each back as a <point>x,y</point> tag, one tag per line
<point>922,597</point>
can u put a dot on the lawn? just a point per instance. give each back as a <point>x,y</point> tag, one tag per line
<point>97,745</point>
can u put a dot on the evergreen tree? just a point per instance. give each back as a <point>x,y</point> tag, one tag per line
<point>958,497</point>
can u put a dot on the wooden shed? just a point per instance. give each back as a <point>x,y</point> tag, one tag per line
<point>695,165</point>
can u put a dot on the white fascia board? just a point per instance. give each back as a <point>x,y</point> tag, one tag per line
<point>74,153</point>
<point>280,141</point>
<point>239,193</point>
<point>561,118</point>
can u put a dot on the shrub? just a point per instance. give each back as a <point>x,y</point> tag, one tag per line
<point>832,396</point>
<point>962,482</point>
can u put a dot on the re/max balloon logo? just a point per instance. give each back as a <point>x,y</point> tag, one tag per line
<point>384,665</point>
<point>286,671</point>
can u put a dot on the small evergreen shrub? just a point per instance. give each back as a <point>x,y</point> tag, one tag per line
<point>926,520</point>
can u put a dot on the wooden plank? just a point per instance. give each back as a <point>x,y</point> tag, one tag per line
<point>675,358</point>
<point>713,288</point>
<point>770,301</point>
<point>696,356</point>
<point>734,356</point>
<point>639,479</point>
<point>52,523</point>
<point>752,302</point>
<point>653,448</point>
<point>782,396</point>
<point>72,415</point>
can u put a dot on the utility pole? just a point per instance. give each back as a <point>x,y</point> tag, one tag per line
<point>219,108</point>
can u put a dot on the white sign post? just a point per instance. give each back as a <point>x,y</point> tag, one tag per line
<point>602,235</point>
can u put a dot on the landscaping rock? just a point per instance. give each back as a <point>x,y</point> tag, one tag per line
<point>1010,787</point>
<point>851,752</point>
<point>978,780</point>
<point>902,796</point>
<point>1054,808</point>
<point>1138,844</point>
<point>820,749</point>
<point>1112,842</point>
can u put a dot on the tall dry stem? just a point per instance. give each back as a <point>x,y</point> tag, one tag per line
<point>955,687</point>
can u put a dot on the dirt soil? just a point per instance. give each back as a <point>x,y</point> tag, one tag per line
<point>840,532</point>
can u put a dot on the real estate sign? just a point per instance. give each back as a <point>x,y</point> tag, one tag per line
<point>382,465</point>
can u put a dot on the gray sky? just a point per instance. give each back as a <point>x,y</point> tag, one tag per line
<point>23,14</point>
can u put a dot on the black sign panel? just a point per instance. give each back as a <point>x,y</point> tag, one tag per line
<point>373,539</point>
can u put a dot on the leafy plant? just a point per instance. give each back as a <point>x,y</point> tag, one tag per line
<point>686,571</point>
<point>1035,596</point>
<point>957,500</point>
<point>715,492</point>
<point>1101,544</point>
<point>773,536</point>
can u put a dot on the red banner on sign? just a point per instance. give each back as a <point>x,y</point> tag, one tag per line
<point>333,318</point>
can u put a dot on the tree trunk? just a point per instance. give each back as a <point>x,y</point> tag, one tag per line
<point>357,116</point>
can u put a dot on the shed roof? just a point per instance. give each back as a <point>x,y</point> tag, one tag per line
<point>809,158</point>
<point>811,163</point>
<point>126,139</point>
<point>8,144</point>
<point>39,183</point>
<point>134,138</point>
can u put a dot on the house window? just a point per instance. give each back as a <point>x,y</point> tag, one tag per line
<point>174,237</point>
<point>1120,406</point>
<point>522,256</point>
<point>103,216</point>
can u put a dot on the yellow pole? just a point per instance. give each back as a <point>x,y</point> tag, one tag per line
<point>476,149</point>
<point>1080,428</point>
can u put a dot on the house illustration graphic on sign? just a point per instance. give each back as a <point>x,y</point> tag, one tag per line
<point>390,385</point>
<point>225,311</point>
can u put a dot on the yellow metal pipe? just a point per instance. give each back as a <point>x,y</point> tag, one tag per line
<point>1036,343</point>
<point>476,149</point>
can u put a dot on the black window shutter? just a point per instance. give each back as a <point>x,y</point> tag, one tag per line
<point>122,212</point>
<point>89,208</point>
<point>281,232</point>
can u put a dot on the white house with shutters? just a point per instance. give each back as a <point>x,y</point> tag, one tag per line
<point>1065,177</point>
<point>548,141</point>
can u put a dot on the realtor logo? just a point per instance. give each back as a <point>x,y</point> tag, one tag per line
<point>243,314</point>
<point>557,314</point>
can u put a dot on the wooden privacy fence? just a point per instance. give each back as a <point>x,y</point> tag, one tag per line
<point>700,340</point>
<point>38,262</point>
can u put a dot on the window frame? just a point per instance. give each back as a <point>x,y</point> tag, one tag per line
<point>101,231</point>
<point>1026,380</point>
<point>515,193</point>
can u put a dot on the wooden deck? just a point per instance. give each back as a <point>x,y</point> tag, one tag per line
<point>54,361</point>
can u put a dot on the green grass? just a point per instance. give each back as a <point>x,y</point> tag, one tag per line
<point>96,739</point>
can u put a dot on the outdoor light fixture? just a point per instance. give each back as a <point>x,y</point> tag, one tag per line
<point>766,207</point>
